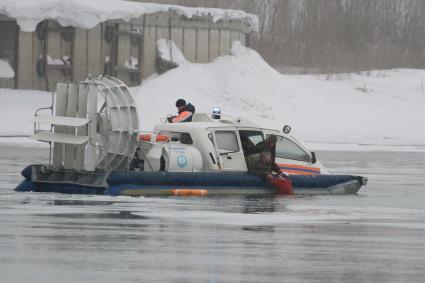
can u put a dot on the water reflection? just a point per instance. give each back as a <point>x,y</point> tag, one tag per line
<point>257,204</point>
<point>376,236</point>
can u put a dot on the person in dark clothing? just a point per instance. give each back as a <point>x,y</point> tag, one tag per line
<point>185,112</point>
<point>260,164</point>
<point>269,144</point>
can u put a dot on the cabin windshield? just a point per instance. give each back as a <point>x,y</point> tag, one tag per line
<point>288,149</point>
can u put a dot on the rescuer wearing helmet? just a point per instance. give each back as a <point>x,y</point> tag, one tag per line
<point>185,112</point>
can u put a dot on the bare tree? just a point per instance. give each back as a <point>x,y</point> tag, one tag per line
<point>334,35</point>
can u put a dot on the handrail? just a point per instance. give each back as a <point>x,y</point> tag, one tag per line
<point>36,128</point>
<point>36,114</point>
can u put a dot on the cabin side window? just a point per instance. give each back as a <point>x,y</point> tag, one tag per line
<point>185,138</point>
<point>287,149</point>
<point>227,140</point>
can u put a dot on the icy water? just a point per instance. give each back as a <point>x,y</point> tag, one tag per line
<point>376,236</point>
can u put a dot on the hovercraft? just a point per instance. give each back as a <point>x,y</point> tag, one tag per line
<point>96,148</point>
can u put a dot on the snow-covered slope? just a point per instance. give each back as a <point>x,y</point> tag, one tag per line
<point>380,107</point>
<point>89,13</point>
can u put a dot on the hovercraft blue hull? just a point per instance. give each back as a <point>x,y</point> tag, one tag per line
<point>215,183</point>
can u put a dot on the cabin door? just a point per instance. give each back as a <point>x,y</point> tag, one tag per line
<point>230,150</point>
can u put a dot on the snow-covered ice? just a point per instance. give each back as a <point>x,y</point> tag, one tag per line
<point>382,109</point>
<point>89,13</point>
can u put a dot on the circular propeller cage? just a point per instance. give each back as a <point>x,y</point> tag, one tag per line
<point>117,124</point>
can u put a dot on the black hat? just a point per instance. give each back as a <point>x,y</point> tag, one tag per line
<point>180,102</point>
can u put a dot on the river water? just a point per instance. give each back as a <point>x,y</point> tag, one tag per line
<point>375,236</point>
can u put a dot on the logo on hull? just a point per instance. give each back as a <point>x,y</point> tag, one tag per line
<point>182,161</point>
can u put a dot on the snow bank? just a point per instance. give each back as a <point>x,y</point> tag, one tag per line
<point>169,52</point>
<point>6,71</point>
<point>89,13</point>
<point>56,62</point>
<point>381,107</point>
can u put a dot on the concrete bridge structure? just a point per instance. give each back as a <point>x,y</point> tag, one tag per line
<point>125,49</point>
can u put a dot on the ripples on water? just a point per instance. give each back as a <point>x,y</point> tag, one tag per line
<point>376,236</point>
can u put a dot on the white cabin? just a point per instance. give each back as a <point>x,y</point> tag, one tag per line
<point>221,144</point>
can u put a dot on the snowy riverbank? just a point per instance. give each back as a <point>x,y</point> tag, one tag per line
<point>379,110</point>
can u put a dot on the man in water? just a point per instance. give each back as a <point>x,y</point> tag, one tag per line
<point>185,112</point>
<point>260,164</point>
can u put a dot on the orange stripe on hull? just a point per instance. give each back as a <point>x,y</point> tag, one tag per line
<point>299,169</point>
<point>292,172</point>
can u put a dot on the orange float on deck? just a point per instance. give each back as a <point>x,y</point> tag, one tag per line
<point>153,138</point>
<point>189,192</point>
